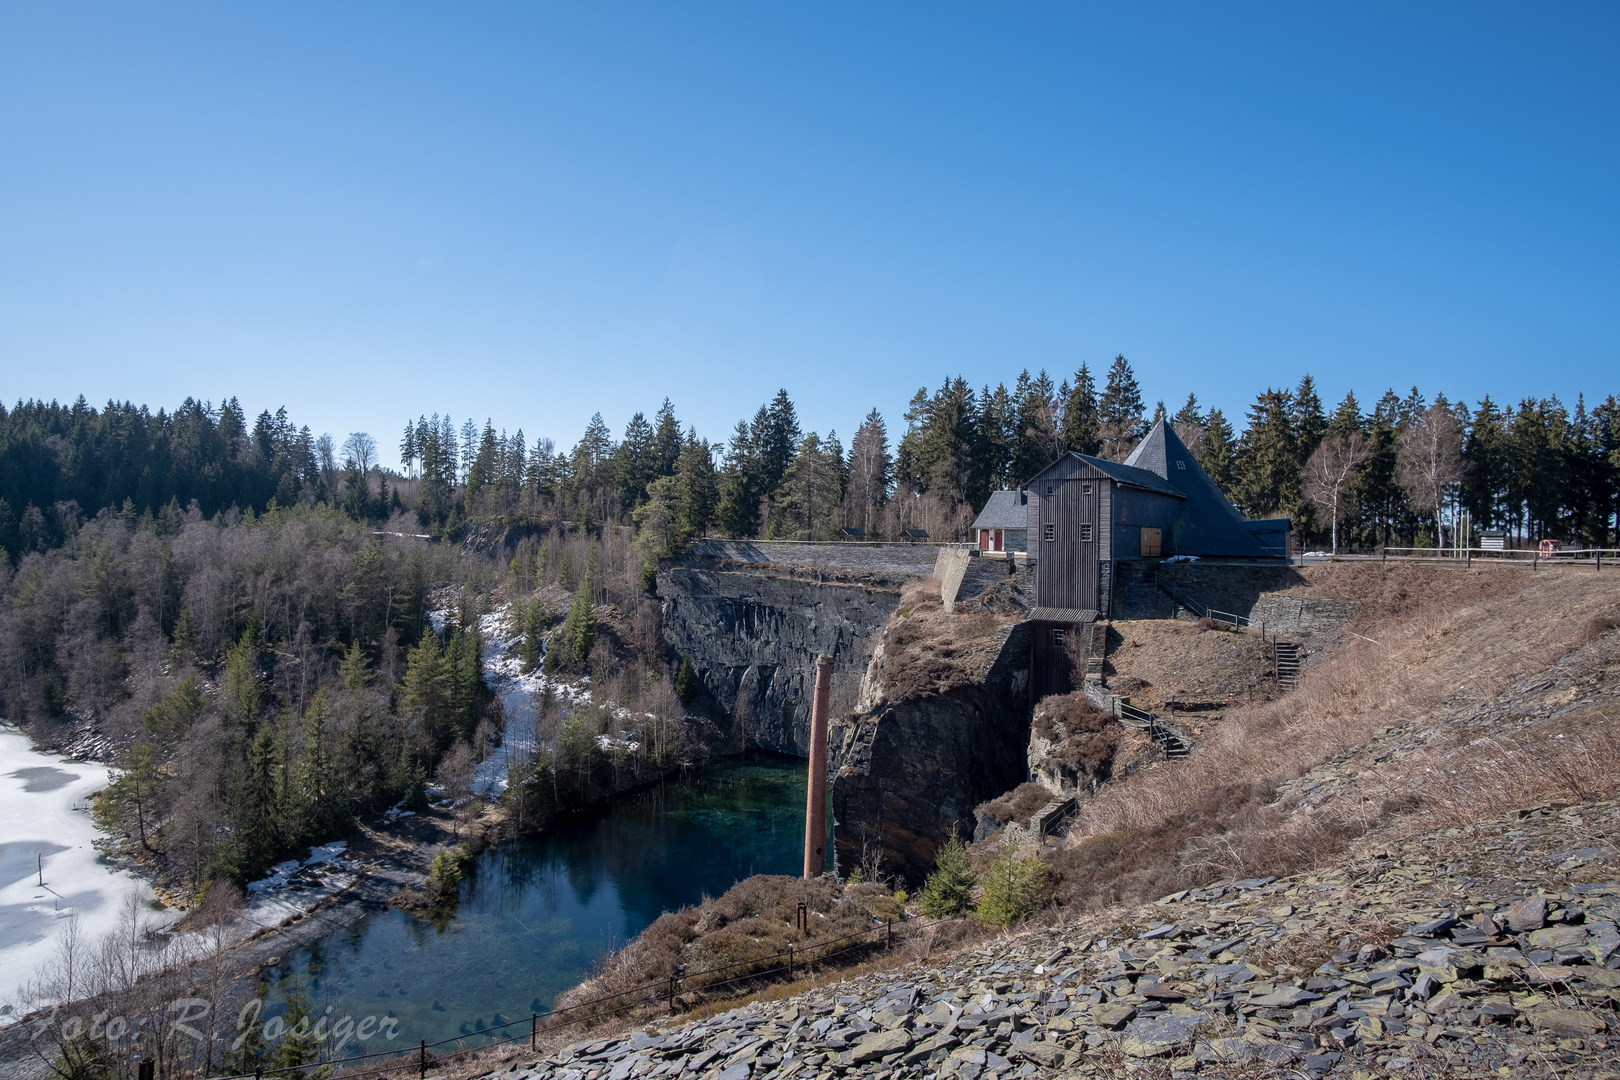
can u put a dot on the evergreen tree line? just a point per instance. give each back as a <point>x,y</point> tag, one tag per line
<point>60,465</point>
<point>1403,472</point>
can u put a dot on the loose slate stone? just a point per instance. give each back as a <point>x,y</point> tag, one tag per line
<point>1113,1017</point>
<point>1528,914</point>
<point>1566,1021</point>
<point>1043,1053</point>
<point>1557,937</point>
<point>1158,992</point>
<point>1287,997</point>
<point>880,1044</point>
<point>1433,928</point>
<point>1156,1035</point>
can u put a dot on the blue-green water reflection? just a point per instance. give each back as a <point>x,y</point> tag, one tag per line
<point>536,914</point>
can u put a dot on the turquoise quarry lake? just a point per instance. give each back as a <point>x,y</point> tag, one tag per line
<point>536,914</point>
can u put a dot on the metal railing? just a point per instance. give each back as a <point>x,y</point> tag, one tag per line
<point>1533,555</point>
<point>665,991</point>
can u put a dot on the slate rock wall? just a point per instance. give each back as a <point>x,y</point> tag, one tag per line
<point>754,617</point>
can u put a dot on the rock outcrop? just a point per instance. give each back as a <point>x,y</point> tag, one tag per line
<point>754,616</point>
<point>942,724</point>
<point>1075,747</point>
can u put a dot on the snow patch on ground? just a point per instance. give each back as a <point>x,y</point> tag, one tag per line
<point>45,814</point>
<point>294,886</point>
<point>518,693</point>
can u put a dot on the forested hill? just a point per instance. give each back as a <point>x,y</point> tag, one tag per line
<point>1405,471</point>
<point>124,455</point>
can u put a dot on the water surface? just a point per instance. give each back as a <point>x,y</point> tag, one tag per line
<point>536,914</point>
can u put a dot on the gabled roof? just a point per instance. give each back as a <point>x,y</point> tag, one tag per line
<point>1209,524</point>
<point>1005,510</point>
<point>1124,474</point>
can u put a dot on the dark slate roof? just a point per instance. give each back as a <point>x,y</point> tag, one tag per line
<point>1130,474</point>
<point>1005,510</point>
<point>1125,474</point>
<point>1209,524</point>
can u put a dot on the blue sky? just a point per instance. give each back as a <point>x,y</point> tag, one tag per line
<point>534,212</point>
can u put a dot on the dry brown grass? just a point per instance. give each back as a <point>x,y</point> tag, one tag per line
<point>926,652</point>
<point>1158,660</point>
<point>1016,805</point>
<point>1441,638</point>
<point>1574,759</point>
<point>745,931</point>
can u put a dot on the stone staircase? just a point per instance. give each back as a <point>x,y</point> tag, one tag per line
<point>1286,658</point>
<point>1096,650</point>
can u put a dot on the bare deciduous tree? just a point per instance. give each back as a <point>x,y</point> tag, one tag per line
<point>1428,460</point>
<point>361,449</point>
<point>1331,468</point>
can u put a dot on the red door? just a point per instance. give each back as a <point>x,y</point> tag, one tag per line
<point>998,539</point>
<point>984,539</point>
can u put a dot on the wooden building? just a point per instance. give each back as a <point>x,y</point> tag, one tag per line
<point>1085,515</point>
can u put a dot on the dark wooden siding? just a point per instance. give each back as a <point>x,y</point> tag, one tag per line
<point>1068,500</point>
<point>1134,509</point>
<point>1051,671</point>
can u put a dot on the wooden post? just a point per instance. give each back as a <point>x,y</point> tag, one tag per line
<point>534,1030</point>
<point>815,804</point>
<point>421,1067</point>
<point>672,993</point>
<point>790,961</point>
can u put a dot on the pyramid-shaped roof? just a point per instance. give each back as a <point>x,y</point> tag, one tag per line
<point>1208,524</point>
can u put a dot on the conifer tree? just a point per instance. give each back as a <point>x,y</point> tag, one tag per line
<point>533,632</point>
<point>664,450</point>
<point>1119,412</point>
<point>687,683</point>
<point>1376,489</point>
<point>870,466</point>
<point>1219,452</point>
<point>1037,433</point>
<point>655,521</point>
<point>1266,472</point>
<point>1310,423</point>
<point>241,681</point>
<point>579,630</point>
<point>1081,422</point>
<point>779,440</point>
<point>948,890</point>
<point>740,490</point>
<point>697,491</point>
<point>994,453</point>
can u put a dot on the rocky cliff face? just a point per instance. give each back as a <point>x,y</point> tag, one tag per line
<point>942,724</point>
<point>754,616</point>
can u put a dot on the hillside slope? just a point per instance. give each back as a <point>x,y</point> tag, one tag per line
<point>1424,710</point>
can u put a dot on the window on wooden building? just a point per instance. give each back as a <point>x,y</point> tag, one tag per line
<point>1050,533</point>
<point>1057,638</point>
<point>1085,533</point>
